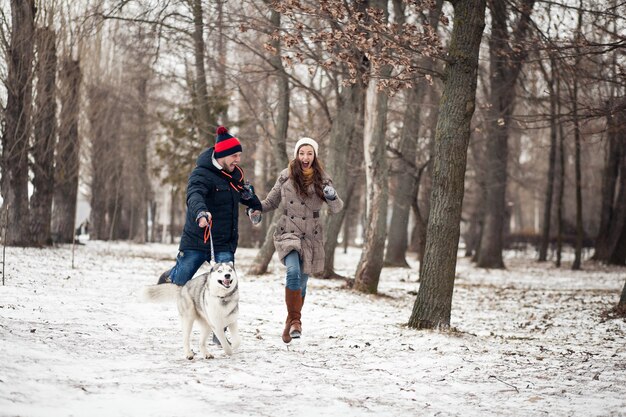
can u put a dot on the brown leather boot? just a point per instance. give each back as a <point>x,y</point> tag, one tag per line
<point>296,326</point>
<point>295,330</point>
<point>293,299</point>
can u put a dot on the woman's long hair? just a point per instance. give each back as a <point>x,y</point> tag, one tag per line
<point>297,176</point>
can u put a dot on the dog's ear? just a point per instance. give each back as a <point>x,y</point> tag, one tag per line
<point>231,263</point>
<point>212,264</point>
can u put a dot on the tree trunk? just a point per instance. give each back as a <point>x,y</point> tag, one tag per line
<point>610,175</point>
<point>406,189</point>
<point>45,138</point>
<point>279,148</point>
<point>579,196</point>
<point>143,193</point>
<point>376,178</point>
<point>505,68</point>
<point>434,299</point>
<point>205,122</point>
<point>342,137</point>
<point>220,98</point>
<point>561,184</point>
<point>408,177</point>
<point>622,300</point>
<point>67,154</point>
<point>17,123</point>
<point>617,233</point>
<point>99,117</point>
<point>547,210</point>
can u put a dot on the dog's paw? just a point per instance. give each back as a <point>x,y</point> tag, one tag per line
<point>190,356</point>
<point>209,356</point>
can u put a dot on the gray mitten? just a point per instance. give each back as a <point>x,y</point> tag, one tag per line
<point>329,192</point>
<point>255,215</point>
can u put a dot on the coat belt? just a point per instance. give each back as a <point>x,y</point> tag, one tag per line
<point>316,213</point>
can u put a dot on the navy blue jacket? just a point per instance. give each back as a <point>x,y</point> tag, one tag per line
<point>216,191</point>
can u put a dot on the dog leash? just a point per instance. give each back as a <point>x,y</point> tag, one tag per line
<point>209,236</point>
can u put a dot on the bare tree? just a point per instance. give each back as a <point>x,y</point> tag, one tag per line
<point>17,123</point>
<point>376,104</point>
<point>205,119</point>
<point>67,154</point>
<point>343,134</point>
<point>278,141</point>
<point>576,265</point>
<point>45,138</point>
<point>547,211</point>
<point>506,63</point>
<point>432,308</point>
<point>407,173</point>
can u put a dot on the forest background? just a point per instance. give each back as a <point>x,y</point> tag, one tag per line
<point>484,125</point>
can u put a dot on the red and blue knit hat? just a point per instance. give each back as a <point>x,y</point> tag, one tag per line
<point>225,143</point>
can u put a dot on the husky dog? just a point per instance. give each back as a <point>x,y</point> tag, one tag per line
<point>212,299</point>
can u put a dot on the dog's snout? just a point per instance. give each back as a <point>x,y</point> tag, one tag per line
<point>227,276</point>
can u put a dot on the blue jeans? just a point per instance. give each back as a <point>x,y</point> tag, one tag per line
<point>189,261</point>
<point>296,279</point>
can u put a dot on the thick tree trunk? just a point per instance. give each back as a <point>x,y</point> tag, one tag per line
<point>614,155</point>
<point>67,155</point>
<point>17,123</point>
<point>143,193</point>
<point>505,68</point>
<point>375,229</point>
<point>617,233</point>
<point>99,117</point>
<point>433,305</point>
<point>376,177</point>
<point>45,138</point>
<point>547,209</point>
<point>279,149</point>
<point>338,161</point>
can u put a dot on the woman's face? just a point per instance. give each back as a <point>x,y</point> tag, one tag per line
<point>306,156</point>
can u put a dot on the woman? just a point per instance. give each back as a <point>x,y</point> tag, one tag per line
<point>303,188</point>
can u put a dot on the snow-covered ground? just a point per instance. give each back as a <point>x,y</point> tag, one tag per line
<point>530,341</point>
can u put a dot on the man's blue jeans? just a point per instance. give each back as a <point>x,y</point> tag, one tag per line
<point>296,279</point>
<point>189,261</point>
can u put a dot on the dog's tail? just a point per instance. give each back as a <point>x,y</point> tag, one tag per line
<point>161,292</point>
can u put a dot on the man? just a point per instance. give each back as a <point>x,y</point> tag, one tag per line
<point>215,188</point>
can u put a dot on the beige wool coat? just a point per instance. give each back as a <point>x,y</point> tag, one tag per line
<point>299,227</point>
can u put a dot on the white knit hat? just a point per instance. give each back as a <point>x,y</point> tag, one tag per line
<point>305,141</point>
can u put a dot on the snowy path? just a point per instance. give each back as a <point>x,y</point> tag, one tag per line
<point>77,342</point>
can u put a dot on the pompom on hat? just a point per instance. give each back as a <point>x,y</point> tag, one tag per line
<point>225,143</point>
<point>305,141</point>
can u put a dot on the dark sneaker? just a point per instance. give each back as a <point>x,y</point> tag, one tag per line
<point>165,278</point>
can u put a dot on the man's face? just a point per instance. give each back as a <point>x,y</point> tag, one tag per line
<point>229,162</point>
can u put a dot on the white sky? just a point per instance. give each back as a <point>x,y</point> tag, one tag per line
<point>77,342</point>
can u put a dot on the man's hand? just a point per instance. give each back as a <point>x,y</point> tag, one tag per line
<point>203,218</point>
<point>255,215</point>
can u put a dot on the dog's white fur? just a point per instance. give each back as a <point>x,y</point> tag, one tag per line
<point>212,299</point>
